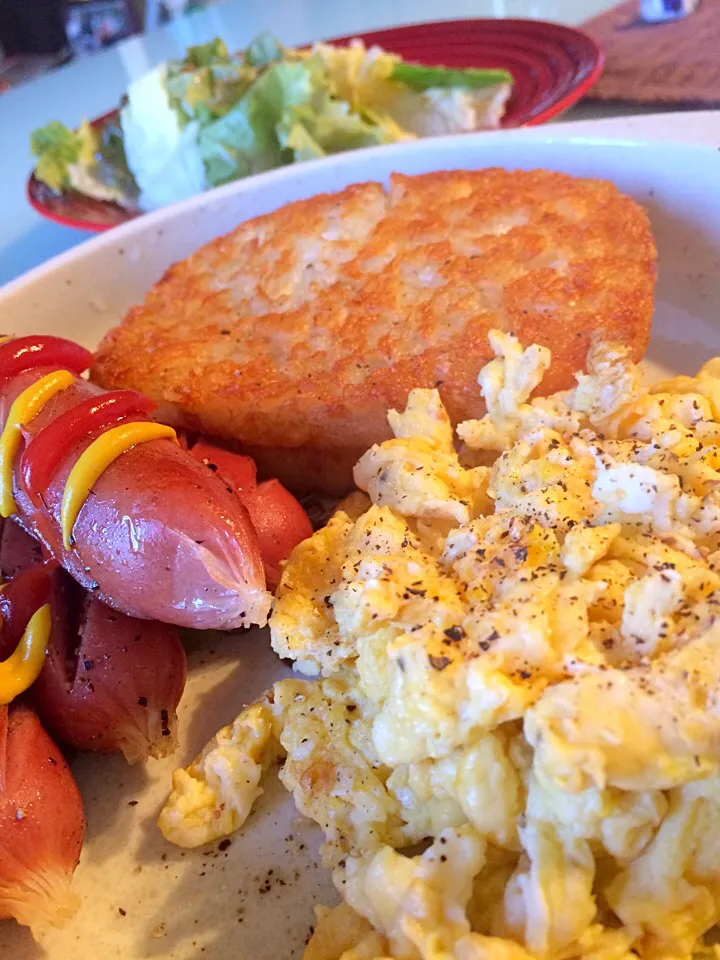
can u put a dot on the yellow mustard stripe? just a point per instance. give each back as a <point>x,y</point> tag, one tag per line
<point>93,461</point>
<point>26,406</point>
<point>23,666</point>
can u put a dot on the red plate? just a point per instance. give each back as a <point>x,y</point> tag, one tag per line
<point>553,66</point>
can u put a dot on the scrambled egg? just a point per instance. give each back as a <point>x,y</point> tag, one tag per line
<point>508,726</point>
<point>214,795</point>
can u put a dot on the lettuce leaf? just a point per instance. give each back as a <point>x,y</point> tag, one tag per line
<point>288,114</point>
<point>264,50</point>
<point>161,149</point>
<point>234,147</point>
<point>357,75</point>
<point>57,147</point>
<point>421,78</point>
<point>206,93</point>
<point>207,54</point>
<point>411,100</point>
<point>207,83</point>
<point>348,82</point>
<point>330,127</point>
<point>246,139</point>
<point>282,87</point>
<point>439,112</point>
<point>90,161</point>
<point>111,167</point>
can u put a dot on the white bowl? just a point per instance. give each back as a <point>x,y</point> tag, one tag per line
<point>176,903</point>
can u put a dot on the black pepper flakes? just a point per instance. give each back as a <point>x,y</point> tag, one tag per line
<point>438,663</point>
<point>165,723</point>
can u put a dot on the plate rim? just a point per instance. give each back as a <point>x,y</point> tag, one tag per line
<point>596,63</point>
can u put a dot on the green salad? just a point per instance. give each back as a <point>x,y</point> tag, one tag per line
<point>213,117</point>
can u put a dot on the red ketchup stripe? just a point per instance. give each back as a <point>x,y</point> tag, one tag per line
<point>26,353</point>
<point>45,452</point>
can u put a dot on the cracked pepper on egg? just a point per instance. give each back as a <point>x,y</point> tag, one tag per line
<point>507,720</point>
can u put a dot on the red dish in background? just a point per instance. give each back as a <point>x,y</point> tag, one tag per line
<point>553,66</point>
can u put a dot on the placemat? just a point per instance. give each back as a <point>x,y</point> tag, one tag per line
<point>676,62</point>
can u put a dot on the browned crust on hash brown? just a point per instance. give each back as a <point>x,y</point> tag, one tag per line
<point>301,328</point>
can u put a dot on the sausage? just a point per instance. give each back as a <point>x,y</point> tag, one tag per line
<point>42,824</point>
<point>110,682</point>
<point>277,516</point>
<point>113,683</point>
<point>158,537</point>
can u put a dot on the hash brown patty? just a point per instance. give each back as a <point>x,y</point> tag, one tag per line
<point>295,333</point>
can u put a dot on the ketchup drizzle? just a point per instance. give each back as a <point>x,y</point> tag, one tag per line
<point>46,451</point>
<point>27,353</point>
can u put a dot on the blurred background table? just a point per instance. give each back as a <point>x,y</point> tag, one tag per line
<point>90,86</point>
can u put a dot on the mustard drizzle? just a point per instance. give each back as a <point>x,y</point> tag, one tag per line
<point>23,666</point>
<point>96,458</point>
<point>25,407</point>
<point>91,463</point>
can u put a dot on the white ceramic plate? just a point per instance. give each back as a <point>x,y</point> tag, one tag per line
<point>185,905</point>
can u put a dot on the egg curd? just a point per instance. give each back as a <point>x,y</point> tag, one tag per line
<point>508,726</point>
